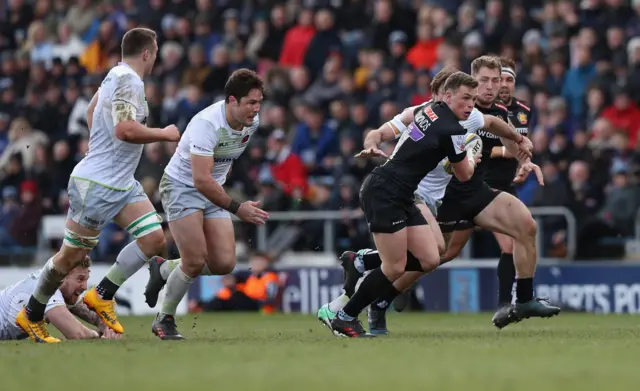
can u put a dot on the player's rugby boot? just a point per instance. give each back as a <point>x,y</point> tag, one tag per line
<point>349,328</point>
<point>377,320</point>
<point>348,261</point>
<point>325,315</point>
<point>536,308</point>
<point>164,326</point>
<point>37,331</point>
<point>504,316</point>
<point>155,283</point>
<point>106,309</point>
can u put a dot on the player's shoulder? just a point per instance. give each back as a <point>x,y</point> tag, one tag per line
<point>123,74</point>
<point>499,106</point>
<point>212,115</point>
<point>521,105</point>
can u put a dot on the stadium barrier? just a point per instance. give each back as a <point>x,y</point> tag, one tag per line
<point>130,296</point>
<point>469,286</point>
<point>52,227</point>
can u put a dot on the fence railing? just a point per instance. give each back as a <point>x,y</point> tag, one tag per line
<point>53,227</point>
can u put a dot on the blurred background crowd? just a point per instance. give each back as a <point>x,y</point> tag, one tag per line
<point>334,70</point>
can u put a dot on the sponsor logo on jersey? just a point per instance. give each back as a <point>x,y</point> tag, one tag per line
<point>245,139</point>
<point>222,160</point>
<point>522,118</point>
<point>432,116</point>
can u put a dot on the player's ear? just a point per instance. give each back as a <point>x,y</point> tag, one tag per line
<point>448,97</point>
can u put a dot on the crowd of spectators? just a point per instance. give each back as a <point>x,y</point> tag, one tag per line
<point>334,70</point>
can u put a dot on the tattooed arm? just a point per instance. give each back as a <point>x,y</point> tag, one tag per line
<point>83,312</point>
<point>124,109</point>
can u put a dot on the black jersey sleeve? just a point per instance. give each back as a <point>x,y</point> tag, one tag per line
<point>455,147</point>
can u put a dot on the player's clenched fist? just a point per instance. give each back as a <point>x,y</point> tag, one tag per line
<point>171,133</point>
<point>250,213</point>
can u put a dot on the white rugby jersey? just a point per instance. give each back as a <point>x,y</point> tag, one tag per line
<point>435,183</point>
<point>209,134</point>
<point>110,161</point>
<point>14,298</point>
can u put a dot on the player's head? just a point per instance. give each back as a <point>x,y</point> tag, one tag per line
<point>486,70</point>
<point>460,93</point>
<point>508,81</point>
<point>438,82</point>
<point>243,94</point>
<point>75,283</point>
<point>141,44</point>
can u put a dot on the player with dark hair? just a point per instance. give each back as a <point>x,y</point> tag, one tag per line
<point>197,207</point>
<point>401,233</point>
<point>102,188</point>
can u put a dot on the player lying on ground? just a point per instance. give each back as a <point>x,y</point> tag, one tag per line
<point>60,309</point>
<point>475,202</point>
<point>102,188</point>
<point>399,230</point>
<point>194,200</point>
<point>430,190</point>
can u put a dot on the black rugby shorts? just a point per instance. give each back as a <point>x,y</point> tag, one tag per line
<point>457,213</point>
<point>387,207</point>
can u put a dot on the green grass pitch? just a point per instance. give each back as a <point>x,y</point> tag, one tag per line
<point>249,352</point>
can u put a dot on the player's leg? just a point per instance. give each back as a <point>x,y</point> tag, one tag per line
<point>140,219</point>
<point>376,313</point>
<point>221,241</point>
<point>506,269</point>
<point>188,233</point>
<point>456,243</point>
<point>82,229</point>
<point>507,215</point>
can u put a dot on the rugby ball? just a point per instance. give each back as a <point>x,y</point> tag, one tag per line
<point>473,146</point>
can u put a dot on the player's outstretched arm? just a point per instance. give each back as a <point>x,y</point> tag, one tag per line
<point>69,326</point>
<point>388,131</point>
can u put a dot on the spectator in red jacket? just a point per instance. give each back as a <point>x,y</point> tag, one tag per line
<point>286,167</point>
<point>624,114</point>
<point>297,40</point>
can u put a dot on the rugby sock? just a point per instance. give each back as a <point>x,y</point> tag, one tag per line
<point>129,261</point>
<point>372,261</point>
<point>383,302</point>
<point>506,275</point>
<point>369,290</point>
<point>48,283</point>
<point>338,303</point>
<point>167,268</point>
<point>524,290</point>
<point>177,286</point>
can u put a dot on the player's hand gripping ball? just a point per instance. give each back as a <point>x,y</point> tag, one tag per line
<point>473,146</point>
